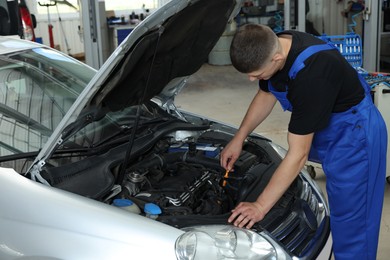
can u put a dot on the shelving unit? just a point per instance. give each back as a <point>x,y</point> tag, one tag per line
<point>260,12</point>
<point>278,14</point>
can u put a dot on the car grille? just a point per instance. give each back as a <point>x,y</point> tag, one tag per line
<point>297,219</point>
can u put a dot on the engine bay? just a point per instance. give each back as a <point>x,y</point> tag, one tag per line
<point>174,167</point>
<point>184,177</point>
<point>178,171</point>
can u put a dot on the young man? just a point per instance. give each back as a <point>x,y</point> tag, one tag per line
<point>332,118</point>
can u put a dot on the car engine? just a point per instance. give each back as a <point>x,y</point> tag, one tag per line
<point>185,178</point>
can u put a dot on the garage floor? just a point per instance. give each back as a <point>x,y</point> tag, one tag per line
<point>222,93</point>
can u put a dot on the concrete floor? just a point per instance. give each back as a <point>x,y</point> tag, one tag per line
<point>222,93</point>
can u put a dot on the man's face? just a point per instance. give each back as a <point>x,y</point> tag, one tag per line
<point>265,72</point>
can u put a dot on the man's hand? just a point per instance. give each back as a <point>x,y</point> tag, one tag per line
<point>230,153</point>
<point>246,214</point>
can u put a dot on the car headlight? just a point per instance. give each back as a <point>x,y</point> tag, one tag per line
<point>226,242</point>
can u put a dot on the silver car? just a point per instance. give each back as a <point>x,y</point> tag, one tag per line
<point>104,166</point>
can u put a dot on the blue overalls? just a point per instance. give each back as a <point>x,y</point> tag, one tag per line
<point>352,150</point>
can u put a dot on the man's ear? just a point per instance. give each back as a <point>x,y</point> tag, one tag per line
<point>277,57</point>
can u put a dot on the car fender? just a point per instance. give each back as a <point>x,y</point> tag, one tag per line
<point>60,225</point>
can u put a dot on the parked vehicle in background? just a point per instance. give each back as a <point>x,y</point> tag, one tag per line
<point>16,19</point>
<point>28,21</point>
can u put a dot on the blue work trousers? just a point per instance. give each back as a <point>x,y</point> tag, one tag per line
<point>352,150</point>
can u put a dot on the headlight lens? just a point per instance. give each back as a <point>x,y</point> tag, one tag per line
<point>223,242</point>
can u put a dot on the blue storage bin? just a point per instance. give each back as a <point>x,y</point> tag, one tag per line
<point>349,45</point>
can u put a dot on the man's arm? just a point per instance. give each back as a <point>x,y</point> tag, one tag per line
<point>246,213</point>
<point>260,107</point>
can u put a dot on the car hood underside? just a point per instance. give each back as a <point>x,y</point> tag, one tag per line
<point>175,49</point>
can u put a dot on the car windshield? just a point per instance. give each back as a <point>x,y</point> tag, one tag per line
<point>37,87</point>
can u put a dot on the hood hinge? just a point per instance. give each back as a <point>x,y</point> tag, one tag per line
<point>35,172</point>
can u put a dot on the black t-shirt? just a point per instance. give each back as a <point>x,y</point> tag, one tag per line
<point>327,84</point>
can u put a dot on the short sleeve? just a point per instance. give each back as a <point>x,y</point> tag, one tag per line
<point>263,85</point>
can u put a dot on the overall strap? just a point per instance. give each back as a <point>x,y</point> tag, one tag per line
<point>299,61</point>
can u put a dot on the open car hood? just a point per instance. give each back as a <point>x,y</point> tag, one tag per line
<point>162,49</point>
<point>155,59</point>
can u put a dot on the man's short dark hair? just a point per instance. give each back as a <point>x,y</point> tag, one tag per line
<point>252,46</point>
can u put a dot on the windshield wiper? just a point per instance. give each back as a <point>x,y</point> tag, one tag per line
<point>28,121</point>
<point>18,156</point>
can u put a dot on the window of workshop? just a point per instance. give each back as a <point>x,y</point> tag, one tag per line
<point>54,7</point>
<point>71,6</point>
<point>130,5</point>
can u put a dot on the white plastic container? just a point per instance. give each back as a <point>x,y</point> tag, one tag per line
<point>126,204</point>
